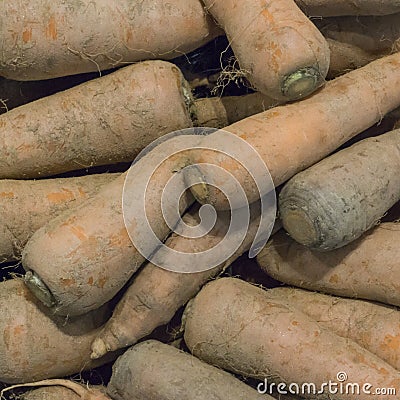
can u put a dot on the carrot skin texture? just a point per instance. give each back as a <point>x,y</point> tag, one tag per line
<point>60,39</point>
<point>153,370</point>
<point>336,200</point>
<point>325,124</point>
<point>37,345</point>
<point>104,121</point>
<point>364,269</point>
<point>270,49</point>
<point>85,256</point>
<point>234,325</point>
<point>60,389</point>
<point>156,294</point>
<point>26,206</point>
<point>373,326</point>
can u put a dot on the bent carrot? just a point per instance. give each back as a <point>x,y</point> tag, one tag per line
<point>72,37</point>
<point>25,206</point>
<point>279,50</point>
<point>365,269</point>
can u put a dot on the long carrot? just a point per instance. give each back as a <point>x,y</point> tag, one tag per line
<point>109,120</point>
<point>290,138</point>
<point>45,39</point>
<point>236,326</point>
<point>278,48</point>
<point>156,294</point>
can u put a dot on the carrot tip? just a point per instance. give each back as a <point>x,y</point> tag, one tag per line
<point>39,289</point>
<point>301,83</point>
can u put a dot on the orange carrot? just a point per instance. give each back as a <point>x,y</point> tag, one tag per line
<point>279,50</point>
<point>82,258</point>
<point>365,269</point>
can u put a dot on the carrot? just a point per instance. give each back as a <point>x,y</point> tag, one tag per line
<point>153,370</point>
<point>292,137</point>
<point>85,256</point>
<point>16,93</point>
<point>375,34</point>
<point>59,389</point>
<point>279,50</point>
<point>96,123</point>
<point>236,326</point>
<point>156,294</point>
<point>365,269</point>
<point>336,200</point>
<point>108,120</point>
<point>35,344</point>
<point>75,37</point>
<point>25,206</point>
<point>373,326</point>
<point>328,8</point>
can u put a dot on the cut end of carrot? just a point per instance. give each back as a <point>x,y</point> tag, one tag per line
<point>99,349</point>
<point>39,289</point>
<point>301,83</point>
<point>301,227</point>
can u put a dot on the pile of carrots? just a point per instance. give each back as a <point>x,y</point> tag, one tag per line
<point>87,91</point>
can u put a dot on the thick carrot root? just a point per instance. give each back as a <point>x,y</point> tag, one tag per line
<point>236,326</point>
<point>336,200</point>
<point>292,137</point>
<point>373,326</point>
<point>82,258</point>
<point>72,37</point>
<point>153,370</point>
<point>36,344</point>
<point>25,206</point>
<point>365,269</point>
<point>279,50</point>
